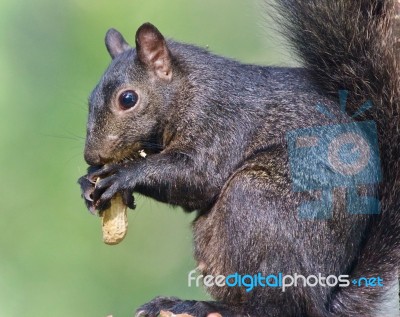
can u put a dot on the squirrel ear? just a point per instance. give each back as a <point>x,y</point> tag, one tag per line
<point>152,50</point>
<point>115,43</point>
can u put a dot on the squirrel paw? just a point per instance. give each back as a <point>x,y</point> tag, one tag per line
<point>174,307</point>
<point>97,196</point>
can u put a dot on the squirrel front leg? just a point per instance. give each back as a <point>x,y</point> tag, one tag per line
<point>169,177</point>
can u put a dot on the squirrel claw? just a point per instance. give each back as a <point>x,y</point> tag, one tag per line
<point>87,189</point>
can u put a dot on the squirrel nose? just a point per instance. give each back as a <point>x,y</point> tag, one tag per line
<point>92,157</point>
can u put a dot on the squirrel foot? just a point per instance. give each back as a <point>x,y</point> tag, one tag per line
<point>175,307</point>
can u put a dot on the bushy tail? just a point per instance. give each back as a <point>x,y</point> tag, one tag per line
<point>354,45</point>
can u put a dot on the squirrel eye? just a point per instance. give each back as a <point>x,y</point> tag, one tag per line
<point>128,99</point>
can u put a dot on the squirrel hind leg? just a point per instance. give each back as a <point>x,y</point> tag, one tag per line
<point>256,215</point>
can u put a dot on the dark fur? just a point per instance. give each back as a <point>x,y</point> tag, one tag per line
<point>216,130</point>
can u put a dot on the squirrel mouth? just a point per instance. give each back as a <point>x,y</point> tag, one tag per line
<point>139,150</point>
<point>137,155</point>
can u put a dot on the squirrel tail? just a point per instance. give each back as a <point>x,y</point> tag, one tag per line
<point>354,45</point>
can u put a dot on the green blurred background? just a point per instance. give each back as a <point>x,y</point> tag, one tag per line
<point>53,261</point>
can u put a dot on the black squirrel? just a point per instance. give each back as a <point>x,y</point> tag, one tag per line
<point>216,134</point>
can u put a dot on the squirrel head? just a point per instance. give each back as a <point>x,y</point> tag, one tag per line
<point>129,104</point>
